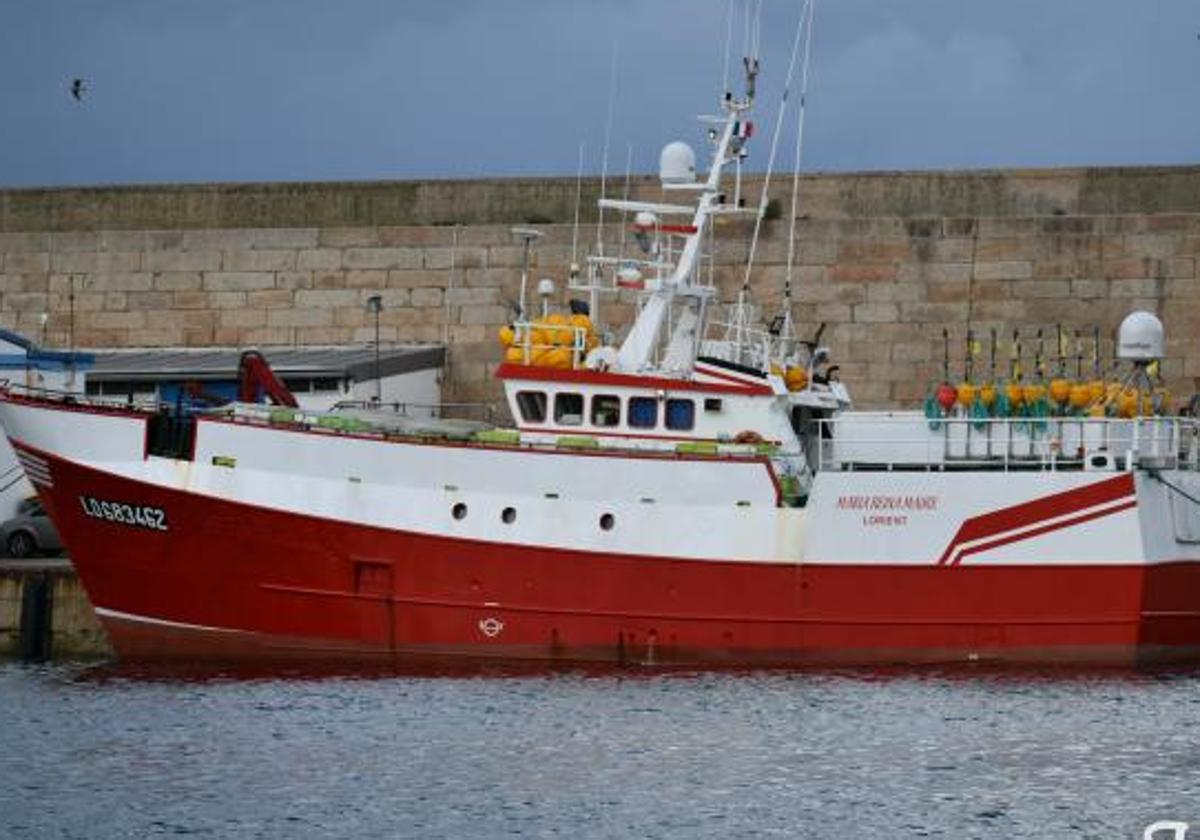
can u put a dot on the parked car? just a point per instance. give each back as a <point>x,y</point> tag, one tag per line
<point>30,531</point>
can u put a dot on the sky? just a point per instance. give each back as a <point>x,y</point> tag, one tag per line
<point>297,90</point>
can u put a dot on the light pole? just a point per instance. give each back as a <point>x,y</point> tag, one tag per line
<point>375,306</point>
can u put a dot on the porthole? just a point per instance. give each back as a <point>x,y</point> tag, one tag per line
<point>508,516</point>
<point>459,511</point>
<point>607,521</point>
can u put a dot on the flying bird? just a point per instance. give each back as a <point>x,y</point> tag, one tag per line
<point>78,89</point>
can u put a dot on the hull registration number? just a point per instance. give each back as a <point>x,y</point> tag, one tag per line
<point>140,516</point>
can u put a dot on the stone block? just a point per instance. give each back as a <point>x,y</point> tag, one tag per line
<point>70,241</point>
<point>77,262</point>
<point>283,238</point>
<point>227,300</point>
<point>25,301</point>
<point>136,282</point>
<point>428,297</point>
<point>217,239</point>
<point>182,261</point>
<point>237,281</point>
<point>351,316</point>
<point>366,335</point>
<point>293,279</point>
<point>869,251</point>
<point>462,257</point>
<point>426,235</point>
<point>256,260</point>
<point>406,279</point>
<point>177,281</point>
<point>876,313</point>
<point>368,279</point>
<point>1137,287</point>
<point>151,301</point>
<point>299,317</point>
<point>391,299</point>
<point>934,272</point>
<point>25,262</point>
<point>1008,270</point>
<point>265,336</point>
<point>472,295</point>
<point>243,318</point>
<point>189,299</point>
<point>326,298</point>
<point>270,298</point>
<point>1026,289</point>
<point>166,240</point>
<point>894,292</point>
<point>319,258</point>
<point>324,335</point>
<point>382,258</point>
<point>21,242</point>
<point>934,313</point>
<point>484,314</point>
<point>113,320</point>
<point>348,237</point>
<point>864,272</point>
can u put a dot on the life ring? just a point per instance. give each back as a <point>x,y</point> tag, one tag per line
<point>748,436</point>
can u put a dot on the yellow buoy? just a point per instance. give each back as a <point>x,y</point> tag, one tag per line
<point>1060,391</point>
<point>1015,394</point>
<point>796,378</point>
<point>1080,396</point>
<point>1127,403</point>
<point>557,357</point>
<point>966,394</point>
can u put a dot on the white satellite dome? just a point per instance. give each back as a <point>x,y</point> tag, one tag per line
<point>677,164</point>
<point>1140,338</point>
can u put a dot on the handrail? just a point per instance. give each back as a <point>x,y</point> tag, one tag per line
<point>867,440</point>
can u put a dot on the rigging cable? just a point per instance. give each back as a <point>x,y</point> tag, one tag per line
<point>762,207</point>
<point>728,42</point>
<point>810,8</point>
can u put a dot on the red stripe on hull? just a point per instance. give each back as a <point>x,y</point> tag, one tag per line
<point>297,586</point>
<point>1040,509</point>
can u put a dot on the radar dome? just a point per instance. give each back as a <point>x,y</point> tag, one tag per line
<point>1140,338</point>
<point>677,164</point>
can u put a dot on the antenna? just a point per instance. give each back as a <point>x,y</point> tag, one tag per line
<point>578,199</point>
<point>612,95</point>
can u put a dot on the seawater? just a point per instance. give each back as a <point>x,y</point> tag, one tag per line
<point>102,752</point>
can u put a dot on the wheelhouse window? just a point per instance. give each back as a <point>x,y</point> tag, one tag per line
<point>643,412</point>
<point>532,405</point>
<point>606,410</point>
<point>681,415</point>
<point>568,409</point>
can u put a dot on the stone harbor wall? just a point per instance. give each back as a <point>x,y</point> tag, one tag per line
<point>885,260</point>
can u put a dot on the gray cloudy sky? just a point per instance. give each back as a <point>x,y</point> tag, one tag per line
<point>238,90</point>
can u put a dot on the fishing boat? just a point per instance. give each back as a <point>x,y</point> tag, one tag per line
<point>700,492</point>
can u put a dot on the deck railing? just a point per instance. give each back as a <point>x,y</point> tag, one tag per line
<point>883,441</point>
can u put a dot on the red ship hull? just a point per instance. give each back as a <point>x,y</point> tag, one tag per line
<point>235,582</point>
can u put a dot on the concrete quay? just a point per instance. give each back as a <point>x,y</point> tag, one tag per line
<point>45,613</point>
